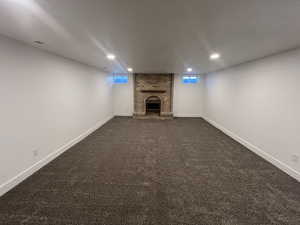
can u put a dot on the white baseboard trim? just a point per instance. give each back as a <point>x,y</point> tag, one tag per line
<point>175,115</point>
<point>284,167</point>
<point>124,114</point>
<point>188,115</point>
<point>10,184</point>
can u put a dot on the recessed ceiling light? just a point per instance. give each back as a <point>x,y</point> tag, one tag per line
<point>189,69</point>
<point>39,42</point>
<point>215,56</point>
<point>111,56</point>
<point>129,69</point>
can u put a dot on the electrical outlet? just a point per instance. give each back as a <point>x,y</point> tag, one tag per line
<point>35,153</point>
<point>295,158</point>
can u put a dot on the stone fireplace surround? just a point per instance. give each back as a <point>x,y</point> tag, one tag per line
<point>159,86</point>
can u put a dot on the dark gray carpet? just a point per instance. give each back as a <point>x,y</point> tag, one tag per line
<point>173,172</point>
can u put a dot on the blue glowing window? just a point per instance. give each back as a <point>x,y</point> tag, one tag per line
<point>190,79</point>
<point>120,79</point>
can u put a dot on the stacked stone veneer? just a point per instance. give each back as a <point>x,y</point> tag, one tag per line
<point>148,85</point>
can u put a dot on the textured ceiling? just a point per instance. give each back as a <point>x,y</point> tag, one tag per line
<point>155,35</point>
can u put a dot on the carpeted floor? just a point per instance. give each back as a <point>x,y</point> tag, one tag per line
<point>142,172</point>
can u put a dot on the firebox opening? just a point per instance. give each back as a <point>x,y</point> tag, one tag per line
<point>153,106</point>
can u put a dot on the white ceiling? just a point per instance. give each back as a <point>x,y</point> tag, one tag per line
<point>155,35</point>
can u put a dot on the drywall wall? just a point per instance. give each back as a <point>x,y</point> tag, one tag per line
<point>123,98</point>
<point>258,104</point>
<point>48,103</point>
<point>188,98</point>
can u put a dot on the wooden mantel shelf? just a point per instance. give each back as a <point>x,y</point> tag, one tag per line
<point>153,91</point>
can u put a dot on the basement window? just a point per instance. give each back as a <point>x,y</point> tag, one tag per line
<point>190,79</point>
<point>120,79</point>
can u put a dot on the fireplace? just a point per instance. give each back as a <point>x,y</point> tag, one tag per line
<point>153,95</point>
<point>153,105</point>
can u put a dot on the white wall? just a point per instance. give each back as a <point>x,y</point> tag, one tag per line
<point>47,104</point>
<point>258,103</point>
<point>123,98</point>
<point>188,98</point>
<point>187,102</point>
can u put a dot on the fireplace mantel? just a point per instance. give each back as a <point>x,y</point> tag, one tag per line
<point>153,91</point>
